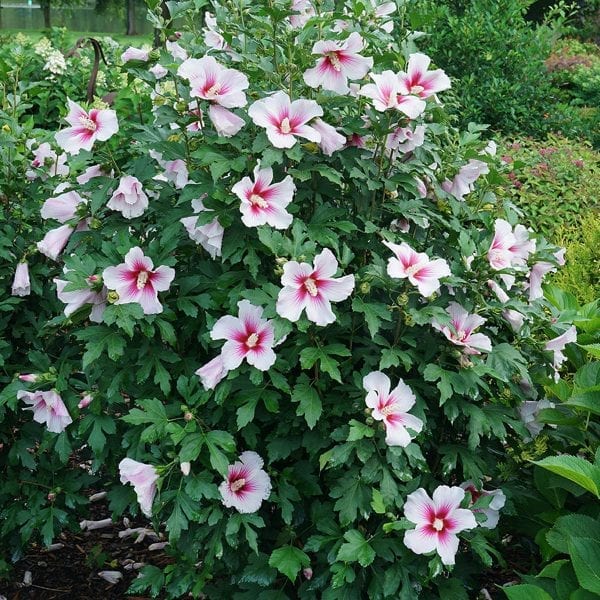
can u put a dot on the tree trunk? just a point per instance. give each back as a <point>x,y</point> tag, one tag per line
<point>164,9</point>
<point>46,11</point>
<point>130,12</point>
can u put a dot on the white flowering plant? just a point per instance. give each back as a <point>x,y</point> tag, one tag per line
<point>277,307</point>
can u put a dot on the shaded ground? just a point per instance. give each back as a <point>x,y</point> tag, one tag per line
<point>72,570</point>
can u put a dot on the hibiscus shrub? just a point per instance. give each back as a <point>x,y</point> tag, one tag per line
<point>275,295</point>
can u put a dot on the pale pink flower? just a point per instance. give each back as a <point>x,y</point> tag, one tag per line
<point>212,373</point>
<point>129,198</point>
<point>55,241</point>
<point>47,408</point>
<point>529,411</point>
<point>392,408</point>
<point>63,207</point>
<point>437,521</point>
<point>331,140</point>
<point>85,401</point>
<point>176,51</point>
<point>313,289</point>
<point>135,54</point>
<point>404,139</point>
<point>248,337</point>
<point>420,270</point>
<point>185,468</point>
<point>338,63</point>
<point>492,512</point>
<point>462,326</point>
<point>421,187</point>
<point>419,81</point>
<point>246,484</point>
<point>557,345</point>
<point>136,280</point>
<point>386,95</point>
<point>212,36</point>
<point>463,181</point>
<point>158,71</point>
<point>226,123</point>
<point>210,235</point>
<point>143,479</point>
<point>75,299</point>
<point>211,81</point>
<point>198,125</point>
<point>383,10</point>
<point>522,247</point>
<point>175,171</point>
<point>29,377</point>
<point>86,128</point>
<point>536,277</point>
<point>46,158</point>
<point>514,317</point>
<point>284,120</point>
<point>304,10</point>
<point>90,173</point>
<point>21,285</point>
<point>264,202</point>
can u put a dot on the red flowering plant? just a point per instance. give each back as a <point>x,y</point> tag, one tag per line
<point>244,262</point>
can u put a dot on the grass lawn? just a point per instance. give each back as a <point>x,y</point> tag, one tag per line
<point>73,36</point>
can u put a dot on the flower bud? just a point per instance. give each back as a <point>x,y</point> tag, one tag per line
<point>85,401</point>
<point>154,55</point>
<point>29,377</point>
<point>308,573</point>
<point>365,287</point>
<point>369,421</point>
<point>6,128</point>
<point>280,260</point>
<point>185,468</point>
<point>51,496</point>
<point>175,137</point>
<point>188,416</point>
<point>112,297</point>
<point>402,300</point>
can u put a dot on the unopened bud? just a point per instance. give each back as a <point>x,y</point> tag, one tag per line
<point>112,297</point>
<point>281,260</point>
<point>85,401</point>
<point>308,573</point>
<point>185,468</point>
<point>369,420</point>
<point>365,287</point>
<point>188,416</point>
<point>278,271</point>
<point>6,128</point>
<point>181,107</point>
<point>29,377</point>
<point>408,320</point>
<point>175,137</point>
<point>51,497</point>
<point>154,55</point>
<point>402,300</point>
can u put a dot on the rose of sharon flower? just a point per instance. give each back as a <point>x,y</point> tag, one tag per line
<point>392,408</point>
<point>55,241</point>
<point>463,181</point>
<point>284,120</point>
<point>404,139</point>
<point>437,521</point>
<point>313,289</point>
<point>86,128</point>
<point>509,248</point>
<point>529,411</point>
<point>44,156</point>
<point>21,285</point>
<point>63,207</point>
<point>75,299</point>
<point>461,330</point>
<point>264,202</point>
<point>129,198</point>
<point>212,373</point>
<point>492,512</point>
<point>248,337</point>
<point>331,140</point>
<point>135,54</point>
<point>303,10</point>
<point>419,81</point>
<point>47,408</point>
<point>136,280</point>
<point>385,94</point>
<point>420,270</point>
<point>143,479</point>
<point>338,63</point>
<point>539,271</point>
<point>246,484</point>
<point>210,235</point>
<point>557,345</point>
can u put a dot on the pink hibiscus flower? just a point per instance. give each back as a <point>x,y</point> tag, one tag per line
<point>339,63</point>
<point>86,128</point>
<point>45,158</point>
<point>437,521</point>
<point>492,512</point>
<point>210,235</point>
<point>331,140</point>
<point>420,270</point>
<point>419,81</point>
<point>392,408</point>
<point>47,408</point>
<point>313,289</point>
<point>129,198</point>
<point>136,280</point>
<point>264,202</point>
<point>385,94</point>
<point>212,373</point>
<point>143,479</point>
<point>284,120</point>
<point>21,285</point>
<point>558,344</point>
<point>246,484</point>
<point>75,299</point>
<point>463,181</point>
<point>509,248</point>
<point>460,332</point>
<point>248,337</point>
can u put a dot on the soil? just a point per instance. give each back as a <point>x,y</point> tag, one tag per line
<point>71,572</point>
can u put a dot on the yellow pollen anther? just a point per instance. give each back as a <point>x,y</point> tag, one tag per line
<point>438,524</point>
<point>417,89</point>
<point>142,279</point>
<point>252,341</point>
<point>258,200</point>
<point>285,126</point>
<point>88,124</point>
<point>237,485</point>
<point>213,90</point>
<point>334,60</point>
<point>311,287</point>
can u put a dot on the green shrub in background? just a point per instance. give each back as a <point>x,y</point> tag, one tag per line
<point>496,58</point>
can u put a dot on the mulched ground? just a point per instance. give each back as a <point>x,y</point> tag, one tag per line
<point>72,571</point>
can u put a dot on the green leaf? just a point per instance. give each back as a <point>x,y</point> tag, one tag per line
<point>374,314</point>
<point>288,561</point>
<point>575,469</point>
<point>310,405</point>
<point>585,554</point>
<point>356,548</point>
<point>526,592</point>
<point>150,577</point>
<point>572,525</point>
<point>378,503</point>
